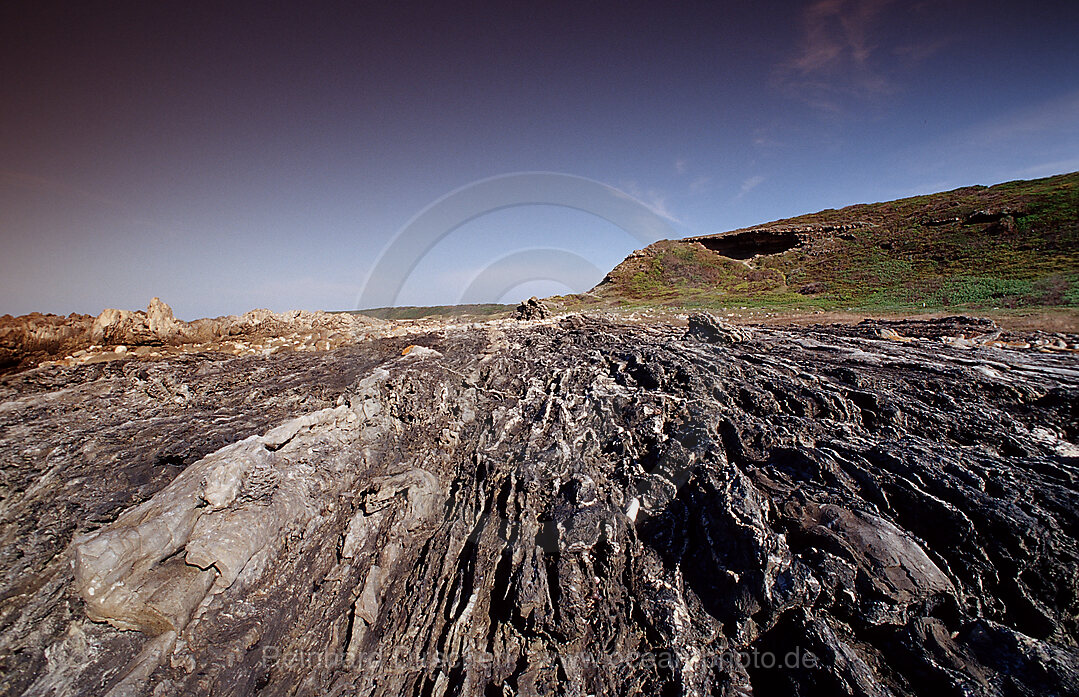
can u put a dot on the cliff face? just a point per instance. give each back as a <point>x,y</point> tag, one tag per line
<point>553,507</point>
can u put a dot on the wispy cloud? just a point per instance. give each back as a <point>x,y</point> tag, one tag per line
<point>1044,131</point>
<point>654,199</point>
<point>1048,169</point>
<point>1040,132</point>
<point>921,50</point>
<point>700,185</point>
<point>749,184</point>
<point>835,58</point>
<point>1059,117</point>
<point>763,138</point>
<point>1037,140</point>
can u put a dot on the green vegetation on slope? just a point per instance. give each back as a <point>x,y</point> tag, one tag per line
<point>1013,245</point>
<point>459,312</point>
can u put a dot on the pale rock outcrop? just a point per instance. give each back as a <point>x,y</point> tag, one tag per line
<point>31,339</point>
<point>161,322</point>
<point>114,326</point>
<point>221,511</point>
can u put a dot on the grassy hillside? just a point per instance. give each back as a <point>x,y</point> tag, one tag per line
<point>1013,245</point>
<point>459,312</point>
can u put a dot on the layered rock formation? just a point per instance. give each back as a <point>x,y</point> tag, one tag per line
<point>564,507</point>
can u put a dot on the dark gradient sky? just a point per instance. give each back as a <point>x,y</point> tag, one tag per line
<point>231,155</point>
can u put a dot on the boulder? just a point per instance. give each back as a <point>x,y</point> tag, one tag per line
<point>708,327</point>
<point>532,308</point>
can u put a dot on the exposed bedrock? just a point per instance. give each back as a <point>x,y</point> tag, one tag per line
<point>773,239</point>
<point>576,508</point>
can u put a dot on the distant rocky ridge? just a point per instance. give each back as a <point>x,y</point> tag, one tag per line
<point>31,339</point>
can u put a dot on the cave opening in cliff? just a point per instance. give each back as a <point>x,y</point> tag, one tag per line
<point>746,245</point>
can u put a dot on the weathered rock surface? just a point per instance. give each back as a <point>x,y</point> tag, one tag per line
<point>31,339</point>
<point>533,308</point>
<point>577,507</point>
<point>708,327</point>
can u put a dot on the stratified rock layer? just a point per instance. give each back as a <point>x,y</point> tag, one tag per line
<point>553,508</point>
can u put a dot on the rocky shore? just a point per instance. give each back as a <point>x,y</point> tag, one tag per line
<point>576,506</point>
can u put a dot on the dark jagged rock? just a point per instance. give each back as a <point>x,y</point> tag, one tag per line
<point>533,308</point>
<point>583,508</point>
<point>707,327</point>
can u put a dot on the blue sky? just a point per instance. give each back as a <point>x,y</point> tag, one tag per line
<point>265,155</point>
